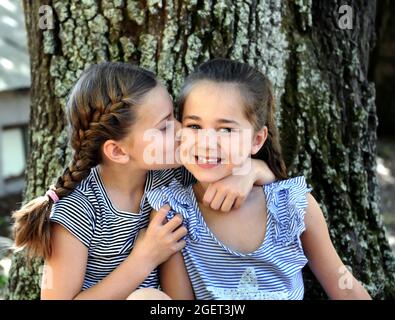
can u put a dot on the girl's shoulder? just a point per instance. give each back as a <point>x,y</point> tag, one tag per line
<point>177,195</point>
<point>286,202</point>
<point>293,189</point>
<point>298,182</point>
<point>76,200</point>
<point>76,212</point>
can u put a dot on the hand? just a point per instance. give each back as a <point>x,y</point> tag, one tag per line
<point>228,193</point>
<point>161,239</point>
<point>231,191</point>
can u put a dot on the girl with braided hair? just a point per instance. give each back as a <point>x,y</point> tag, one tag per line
<point>256,251</point>
<point>92,227</point>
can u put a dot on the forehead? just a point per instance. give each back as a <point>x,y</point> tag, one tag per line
<point>156,105</point>
<point>216,99</point>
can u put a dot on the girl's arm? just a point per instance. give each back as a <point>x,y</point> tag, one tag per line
<point>64,271</point>
<point>233,190</point>
<point>335,278</point>
<point>174,278</point>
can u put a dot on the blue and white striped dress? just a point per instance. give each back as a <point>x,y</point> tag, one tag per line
<point>108,233</point>
<point>273,271</point>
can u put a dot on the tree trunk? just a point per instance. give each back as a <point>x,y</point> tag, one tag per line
<point>326,109</point>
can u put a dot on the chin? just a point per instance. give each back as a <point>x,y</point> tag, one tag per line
<point>208,175</point>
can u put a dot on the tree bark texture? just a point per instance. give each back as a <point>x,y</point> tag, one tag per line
<point>326,105</point>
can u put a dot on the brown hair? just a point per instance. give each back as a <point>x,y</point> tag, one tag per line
<point>99,108</point>
<point>259,106</point>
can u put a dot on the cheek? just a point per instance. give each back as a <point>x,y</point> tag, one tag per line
<point>236,147</point>
<point>226,147</point>
<point>177,133</point>
<point>146,147</point>
<point>187,145</point>
<point>139,146</point>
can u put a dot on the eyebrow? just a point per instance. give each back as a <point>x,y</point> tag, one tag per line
<point>218,120</point>
<point>227,121</point>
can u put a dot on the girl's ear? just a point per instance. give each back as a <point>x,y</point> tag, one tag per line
<point>259,140</point>
<point>114,151</point>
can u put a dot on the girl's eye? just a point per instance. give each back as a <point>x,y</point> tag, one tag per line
<point>193,126</point>
<point>225,130</point>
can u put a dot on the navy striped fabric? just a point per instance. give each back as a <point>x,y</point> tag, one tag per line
<point>216,271</point>
<point>108,233</point>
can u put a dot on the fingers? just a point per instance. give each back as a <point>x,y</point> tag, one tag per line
<point>209,195</point>
<point>218,200</point>
<point>179,245</point>
<point>180,233</point>
<point>173,223</point>
<point>228,203</point>
<point>159,217</point>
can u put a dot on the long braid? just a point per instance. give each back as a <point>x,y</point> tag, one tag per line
<point>36,213</point>
<point>99,108</point>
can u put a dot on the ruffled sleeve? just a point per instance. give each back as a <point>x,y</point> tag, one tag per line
<point>286,202</point>
<point>180,200</point>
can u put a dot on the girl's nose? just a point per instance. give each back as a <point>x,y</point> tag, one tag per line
<point>207,138</point>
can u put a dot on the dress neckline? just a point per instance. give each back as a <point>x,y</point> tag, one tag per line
<point>203,223</point>
<point>103,190</point>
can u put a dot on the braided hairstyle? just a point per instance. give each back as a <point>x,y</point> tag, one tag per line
<point>101,106</point>
<point>259,104</point>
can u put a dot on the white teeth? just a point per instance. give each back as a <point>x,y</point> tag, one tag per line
<point>205,160</point>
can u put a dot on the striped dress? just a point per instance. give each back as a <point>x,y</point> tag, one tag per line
<point>108,233</point>
<point>273,271</point>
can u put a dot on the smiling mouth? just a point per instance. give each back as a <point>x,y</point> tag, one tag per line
<point>204,160</point>
<point>207,163</point>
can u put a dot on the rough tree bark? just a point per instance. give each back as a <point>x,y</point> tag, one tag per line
<point>326,108</point>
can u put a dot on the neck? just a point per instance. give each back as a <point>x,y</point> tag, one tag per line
<point>124,184</point>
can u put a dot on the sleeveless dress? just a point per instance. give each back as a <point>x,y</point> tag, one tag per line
<point>273,271</point>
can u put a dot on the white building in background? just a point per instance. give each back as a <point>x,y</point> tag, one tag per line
<point>14,96</point>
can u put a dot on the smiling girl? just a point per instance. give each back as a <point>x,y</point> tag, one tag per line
<point>256,251</point>
<point>92,227</point>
